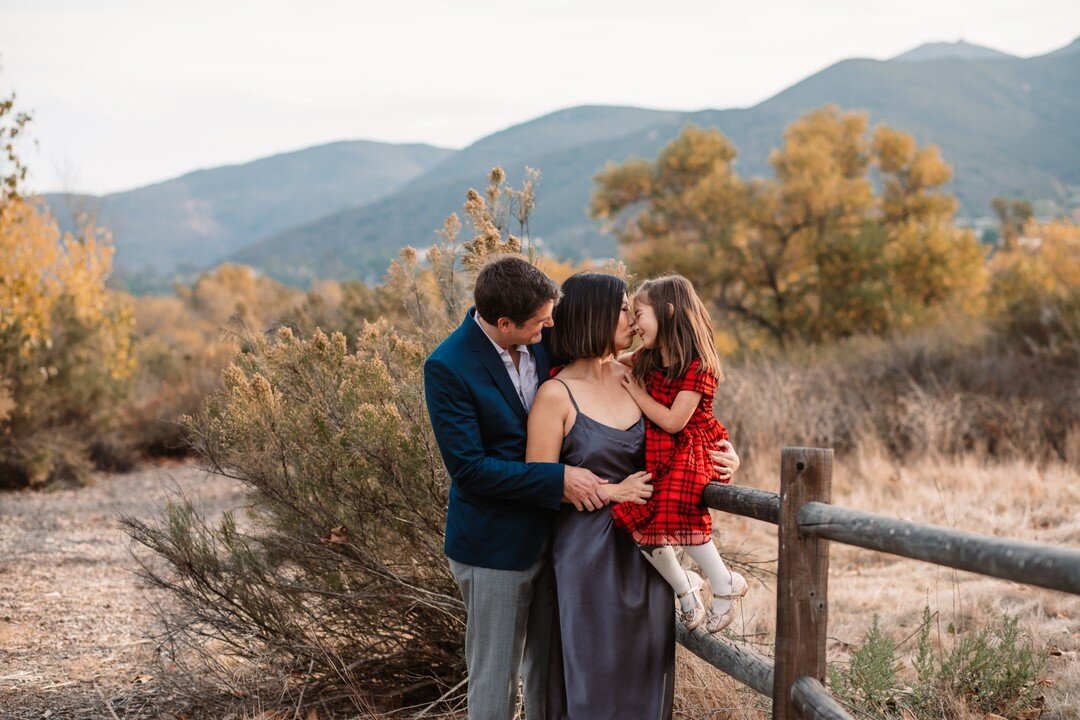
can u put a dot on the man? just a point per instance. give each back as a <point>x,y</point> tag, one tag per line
<point>479,384</point>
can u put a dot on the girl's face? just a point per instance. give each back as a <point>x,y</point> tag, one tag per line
<point>624,332</point>
<point>647,326</point>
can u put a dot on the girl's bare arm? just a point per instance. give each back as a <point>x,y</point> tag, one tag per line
<point>670,419</point>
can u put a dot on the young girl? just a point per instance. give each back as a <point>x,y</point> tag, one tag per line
<point>673,380</point>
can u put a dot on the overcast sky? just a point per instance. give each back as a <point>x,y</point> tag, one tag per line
<point>129,92</point>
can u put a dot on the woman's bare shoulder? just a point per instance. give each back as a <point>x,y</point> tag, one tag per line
<point>552,393</point>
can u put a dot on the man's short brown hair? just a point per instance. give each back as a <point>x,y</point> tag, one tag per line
<point>510,287</point>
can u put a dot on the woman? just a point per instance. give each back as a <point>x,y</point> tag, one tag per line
<point>613,644</point>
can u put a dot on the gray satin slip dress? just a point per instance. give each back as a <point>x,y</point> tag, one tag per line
<point>613,644</point>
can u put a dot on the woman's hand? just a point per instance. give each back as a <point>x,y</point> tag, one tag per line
<point>636,488</point>
<point>725,460</point>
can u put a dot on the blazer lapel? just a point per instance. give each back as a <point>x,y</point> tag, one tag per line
<point>490,359</point>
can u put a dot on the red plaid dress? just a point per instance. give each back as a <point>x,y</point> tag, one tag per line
<point>680,466</point>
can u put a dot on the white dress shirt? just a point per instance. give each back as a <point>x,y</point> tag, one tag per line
<point>522,375</point>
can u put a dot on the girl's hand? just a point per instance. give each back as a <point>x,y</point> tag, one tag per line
<point>632,387</point>
<point>636,488</point>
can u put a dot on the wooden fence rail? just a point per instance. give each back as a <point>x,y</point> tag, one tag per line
<point>796,675</point>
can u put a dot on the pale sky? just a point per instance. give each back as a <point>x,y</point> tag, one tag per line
<point>129,92</point>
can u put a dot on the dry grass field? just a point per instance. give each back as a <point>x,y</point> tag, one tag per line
<point>1018,500</point>
<point>74,619</point>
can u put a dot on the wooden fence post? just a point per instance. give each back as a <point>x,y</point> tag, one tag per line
<point>802,577</point>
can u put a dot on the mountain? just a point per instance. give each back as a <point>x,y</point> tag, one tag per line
<point>202,217</point>
<point>1070,49</point>
<point>1006,125</point>
<point>568,146</point>
<point>958,49</point>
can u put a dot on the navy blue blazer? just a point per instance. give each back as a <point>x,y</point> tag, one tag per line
<point>500,510</point>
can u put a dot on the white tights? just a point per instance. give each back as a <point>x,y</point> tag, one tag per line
<point>708,559</point>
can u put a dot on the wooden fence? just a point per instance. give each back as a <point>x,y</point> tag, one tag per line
<point>794,677</point>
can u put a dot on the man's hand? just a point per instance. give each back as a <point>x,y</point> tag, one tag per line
<point>725,461</point>
<point>636,488</point>
<point>583,488</point>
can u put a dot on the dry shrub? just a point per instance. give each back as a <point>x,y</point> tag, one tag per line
<point>184,342</point>
<point>333,588</point>
<point>943,391</point>
<point>338,572</point>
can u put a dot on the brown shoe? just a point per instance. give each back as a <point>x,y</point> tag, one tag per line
<point>715,622</point>
<point>693,617</point>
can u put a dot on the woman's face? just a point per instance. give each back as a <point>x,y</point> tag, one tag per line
<point>645,319</point>
<point>624,331</point>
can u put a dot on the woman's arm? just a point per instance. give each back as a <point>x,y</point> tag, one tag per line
<point>547,427</point>
<point>670,419</point>
<point>547,424</point>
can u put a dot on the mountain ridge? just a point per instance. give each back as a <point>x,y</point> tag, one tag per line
<point>1002,123</point>
<point>201,216</point>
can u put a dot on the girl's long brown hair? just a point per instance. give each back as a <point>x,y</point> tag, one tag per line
<point>684,329</point>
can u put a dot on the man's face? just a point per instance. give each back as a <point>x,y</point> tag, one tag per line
<point>528,332</point>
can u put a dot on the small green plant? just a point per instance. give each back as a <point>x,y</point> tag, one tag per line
<point>924,694</point>
<point>870,680</point>
<point>990,670</point>
<point>993,668</point>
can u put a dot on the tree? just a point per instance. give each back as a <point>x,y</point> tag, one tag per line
<point>1013,215</point>
<point>65,340</point>
<point>12,168</point>
<point>65,348</point>
<point>811,254</point>
<point>1035,287</point>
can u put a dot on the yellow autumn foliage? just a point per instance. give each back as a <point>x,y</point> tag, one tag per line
<point>1034,288</point>
<point>812,254</point>
<point>66,353</point>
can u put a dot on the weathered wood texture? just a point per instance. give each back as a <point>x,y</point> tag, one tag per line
<point>746,501</point>
<point>815,703</point>
<point>802,577</point>
<point>746,666</point>
<point>1057,568</point>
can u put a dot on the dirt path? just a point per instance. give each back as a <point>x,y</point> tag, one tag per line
<point>73,615</point>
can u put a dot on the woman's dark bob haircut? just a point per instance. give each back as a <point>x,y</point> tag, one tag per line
<point>587,316</point>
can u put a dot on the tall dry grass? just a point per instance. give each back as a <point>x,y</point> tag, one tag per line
<point>953,390</point>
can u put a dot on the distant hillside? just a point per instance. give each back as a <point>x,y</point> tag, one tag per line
<point>959,49</point>
<point>1006,125</point>
<point>202,217</point>
<point>567,146</point>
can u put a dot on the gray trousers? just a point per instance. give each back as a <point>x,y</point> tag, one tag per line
<point>510,616</point>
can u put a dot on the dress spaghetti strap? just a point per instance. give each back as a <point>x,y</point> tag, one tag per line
<point>572,400</point>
